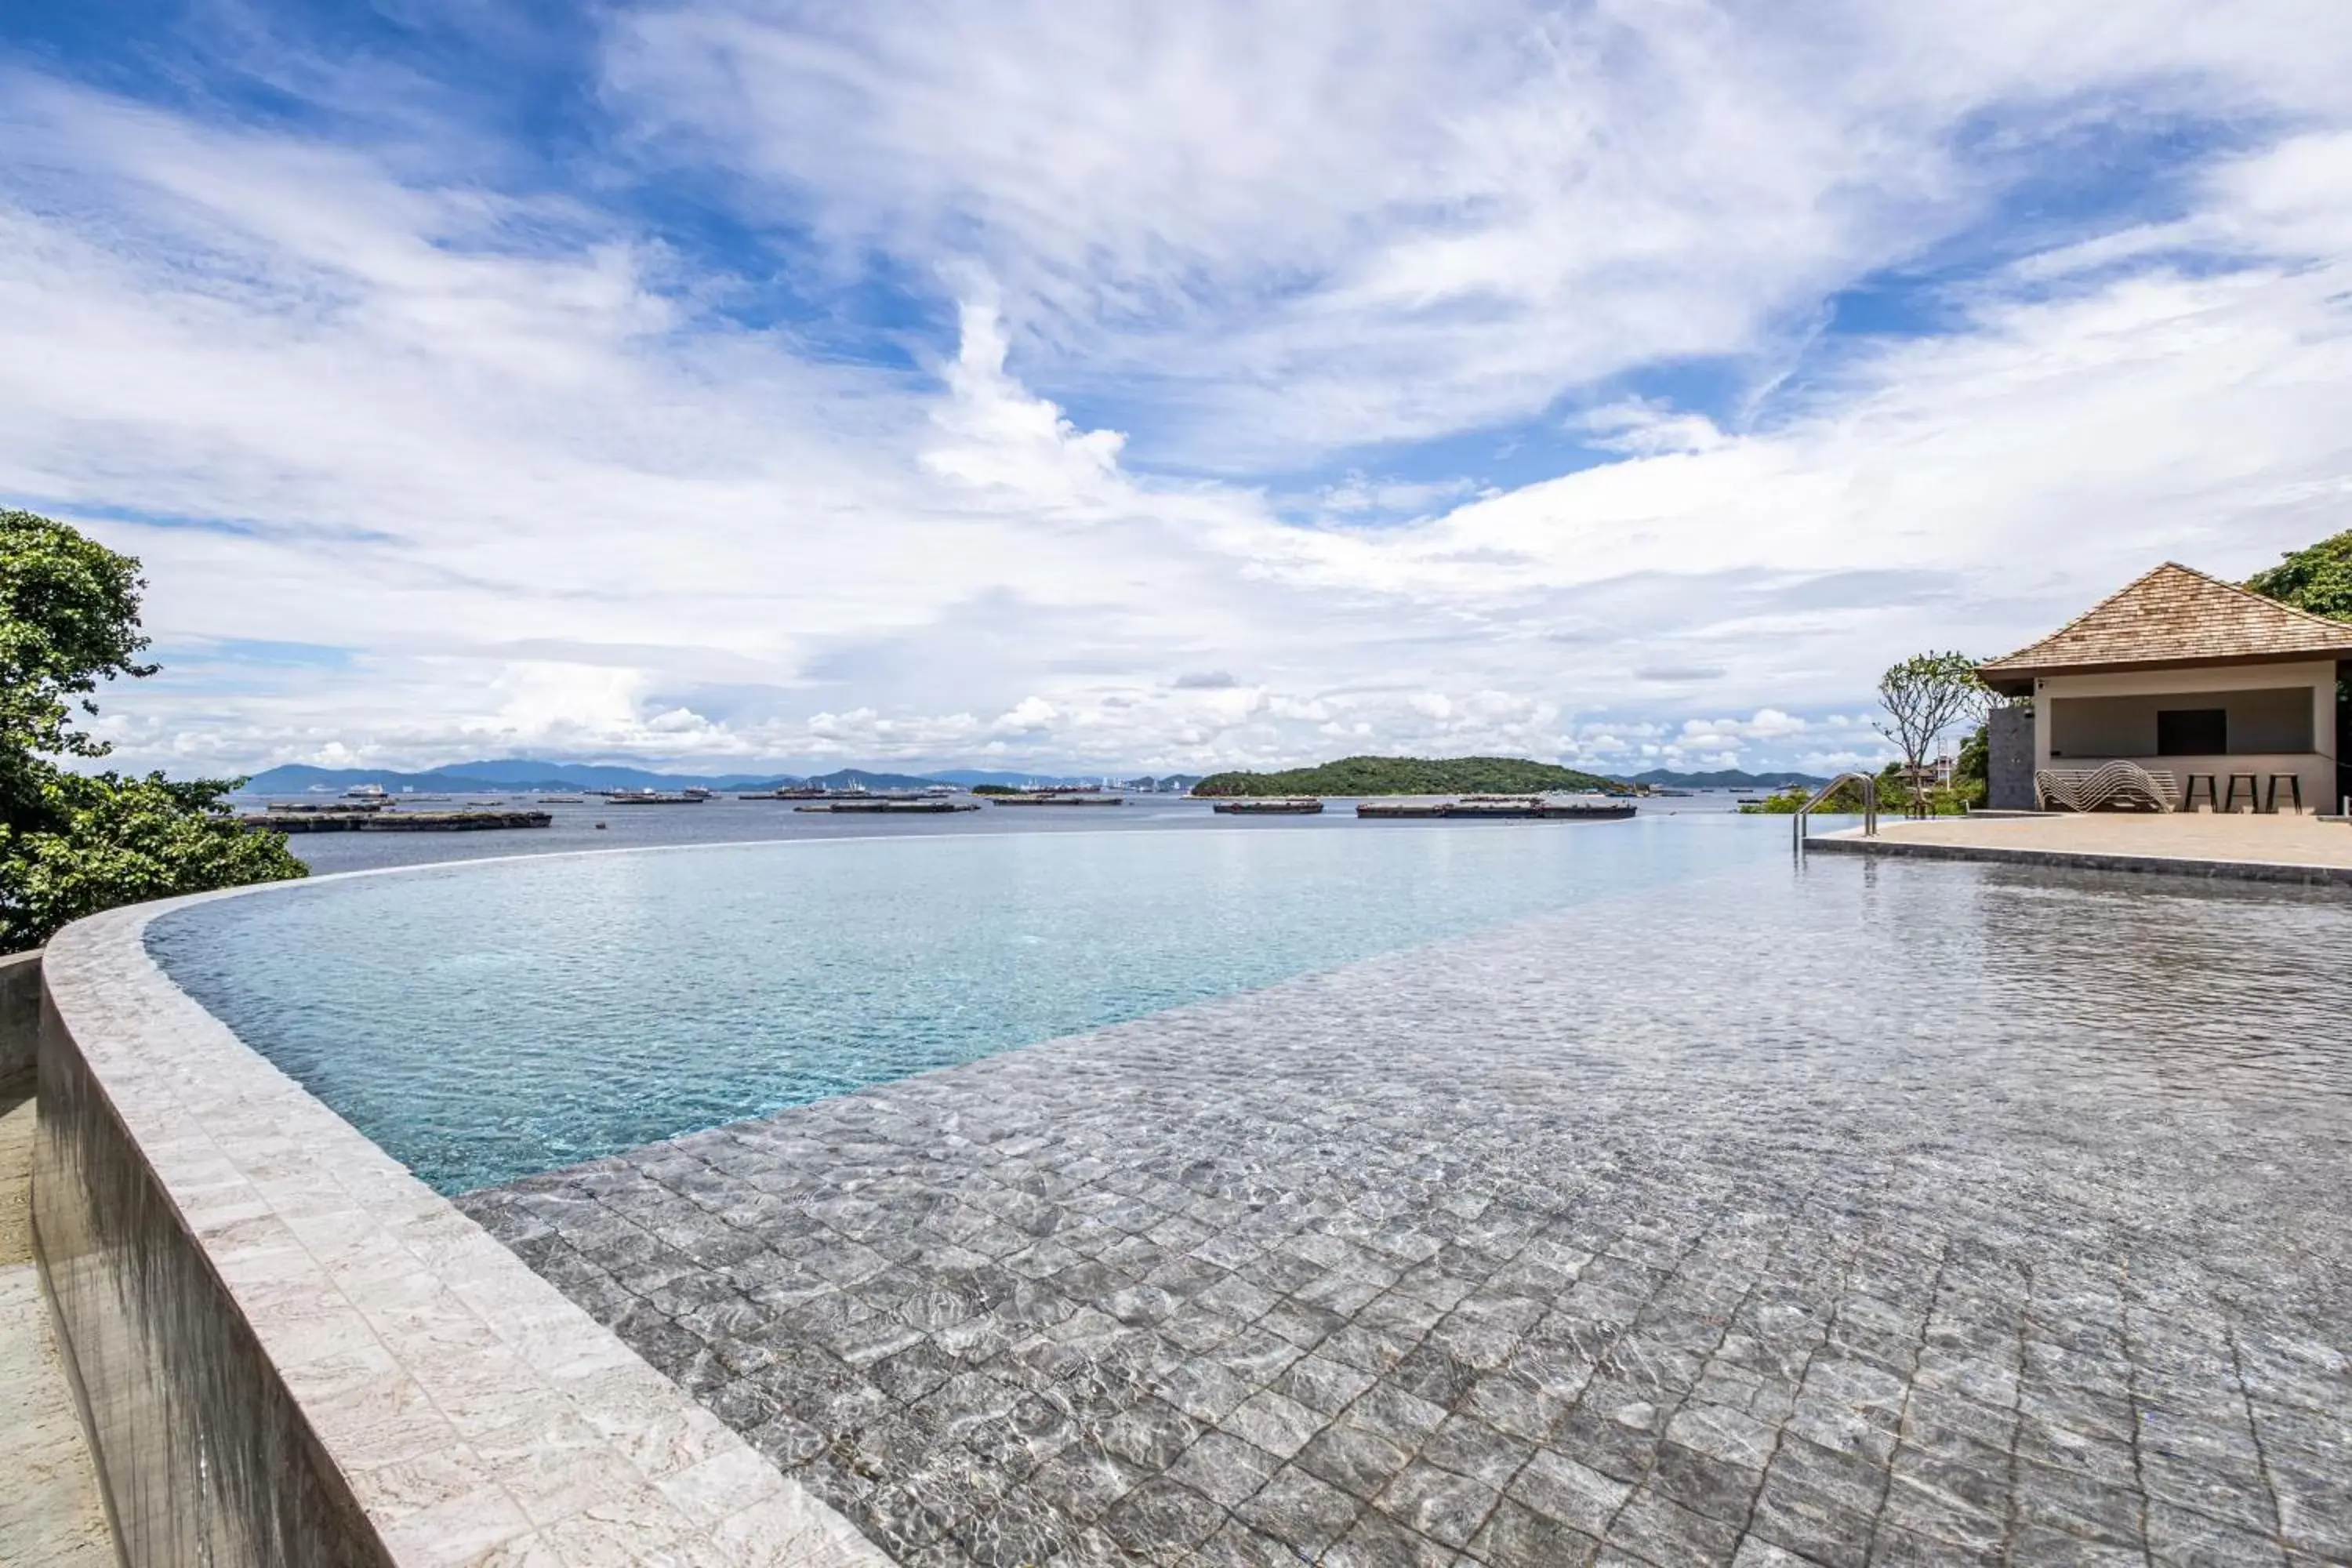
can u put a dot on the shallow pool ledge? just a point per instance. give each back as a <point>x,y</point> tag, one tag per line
<point>289,1350</point>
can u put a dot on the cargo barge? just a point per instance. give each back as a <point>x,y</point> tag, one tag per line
<point>1270,805</point>
<point>1498,808</point>
<point>371,821</point>
<point>894,807</point>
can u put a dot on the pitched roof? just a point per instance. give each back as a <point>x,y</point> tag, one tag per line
<point>2175,615</point>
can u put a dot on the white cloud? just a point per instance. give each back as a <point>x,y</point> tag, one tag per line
<point>1028,716</point>
<point>1002,441</point>
<point>1364,223</point>
<point>500,450</point>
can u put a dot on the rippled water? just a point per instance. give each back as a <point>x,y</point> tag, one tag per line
<point>485,1021</point>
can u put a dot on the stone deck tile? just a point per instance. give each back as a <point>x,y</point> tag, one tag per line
<point>1531,1248</point>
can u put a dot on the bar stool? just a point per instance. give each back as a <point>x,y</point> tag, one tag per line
<point>2294,787</point>
<point>2254,792</point>
<point>2212,791</point>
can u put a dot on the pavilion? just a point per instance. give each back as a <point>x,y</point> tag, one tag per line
<point>2184,673</point>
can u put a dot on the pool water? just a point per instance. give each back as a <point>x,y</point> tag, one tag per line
<point>485,1021</point>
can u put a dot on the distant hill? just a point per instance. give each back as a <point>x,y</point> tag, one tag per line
<point>513,774</point>
<point>1408,775</point>
<point>1729,778</point>
<point>1174,784</point>
<point>517,773</point>
<point>998,776</point>
<point>852,778</point>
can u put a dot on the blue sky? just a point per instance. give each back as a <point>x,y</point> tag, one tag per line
<point>1132,386</point>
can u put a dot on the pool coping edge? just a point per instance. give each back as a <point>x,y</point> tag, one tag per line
<point>473,1412</point>
<point>2291,872</point>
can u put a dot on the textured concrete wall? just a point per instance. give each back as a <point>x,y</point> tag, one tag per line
<point>20,1012</point>
<point>2008,762</point>
<point>204,1457</point>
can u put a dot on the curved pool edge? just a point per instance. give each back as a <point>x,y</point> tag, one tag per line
<point>290,1349</point>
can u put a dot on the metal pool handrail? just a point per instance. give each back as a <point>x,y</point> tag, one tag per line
<point>1869,782</point>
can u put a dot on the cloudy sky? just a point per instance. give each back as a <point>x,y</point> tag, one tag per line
<point>1131,386</point>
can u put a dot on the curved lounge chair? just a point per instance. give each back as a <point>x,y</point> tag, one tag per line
<point>2112,786</point>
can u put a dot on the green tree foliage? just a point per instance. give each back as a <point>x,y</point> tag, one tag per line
<point>1972,769</point>
<point>2318,578</point>
<point>68,619</point>
<point>1790,801</point>
<point>73,844</point>
<point>1925,696</point>
<point>1410,775</point>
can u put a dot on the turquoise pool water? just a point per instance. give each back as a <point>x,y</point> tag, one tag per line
<point>484,1021</point>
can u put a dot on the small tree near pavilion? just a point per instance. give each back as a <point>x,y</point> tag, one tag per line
<point>1925,696</point>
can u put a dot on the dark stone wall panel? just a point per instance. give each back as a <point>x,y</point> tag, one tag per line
<point>2009,760</point>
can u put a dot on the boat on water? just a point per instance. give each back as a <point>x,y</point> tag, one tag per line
<point>1501,808</point>
<point>655,797</point>
<point>791,792</point>
<point>891,804</point>
<point>1059,797</point>
<point>365,792</point>
<point>368,818</point>
<point>1270,805</point>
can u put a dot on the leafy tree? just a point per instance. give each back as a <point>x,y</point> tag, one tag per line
<point>1352,776</point>
<point>2318,578</point>
<point>68,619</point>
<point>73,844</point>
<point>1925,696</point>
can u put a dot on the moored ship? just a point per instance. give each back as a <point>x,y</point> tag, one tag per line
<point>1501,808</point>
<point>1270,805</point>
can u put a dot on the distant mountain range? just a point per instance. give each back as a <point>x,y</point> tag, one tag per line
<point>513,775</point>
<point>1729,778</point>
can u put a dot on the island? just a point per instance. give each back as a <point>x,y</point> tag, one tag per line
<point>1354,776</point>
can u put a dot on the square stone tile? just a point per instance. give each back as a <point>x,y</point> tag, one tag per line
<point>1464,1252</point>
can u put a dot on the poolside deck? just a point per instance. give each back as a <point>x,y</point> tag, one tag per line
<point>2243,846</point>
<point>1940,1216</point>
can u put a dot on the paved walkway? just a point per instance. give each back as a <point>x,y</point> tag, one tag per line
<point>2243,839</point>
<point>1859,1214</point>
<point>51,1515</point>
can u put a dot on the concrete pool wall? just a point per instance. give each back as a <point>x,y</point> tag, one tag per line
<point>289,1350</point>
<point>20,1012</point>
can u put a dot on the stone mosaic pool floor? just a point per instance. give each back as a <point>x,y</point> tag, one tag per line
<point>1875,1213</point>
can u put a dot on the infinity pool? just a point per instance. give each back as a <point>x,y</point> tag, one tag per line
<point>486,1021</point>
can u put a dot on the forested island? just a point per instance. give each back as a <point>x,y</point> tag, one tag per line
<point>1410,775</point>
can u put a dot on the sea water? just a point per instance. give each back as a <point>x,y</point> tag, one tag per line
<point>487,1020</point>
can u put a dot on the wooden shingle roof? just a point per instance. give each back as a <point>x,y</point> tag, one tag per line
<point>2175,617</point>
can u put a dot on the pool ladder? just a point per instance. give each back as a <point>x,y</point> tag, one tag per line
<point>1869,782</point>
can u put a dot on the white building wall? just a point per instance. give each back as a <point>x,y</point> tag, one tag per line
<point>2316,769</point>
